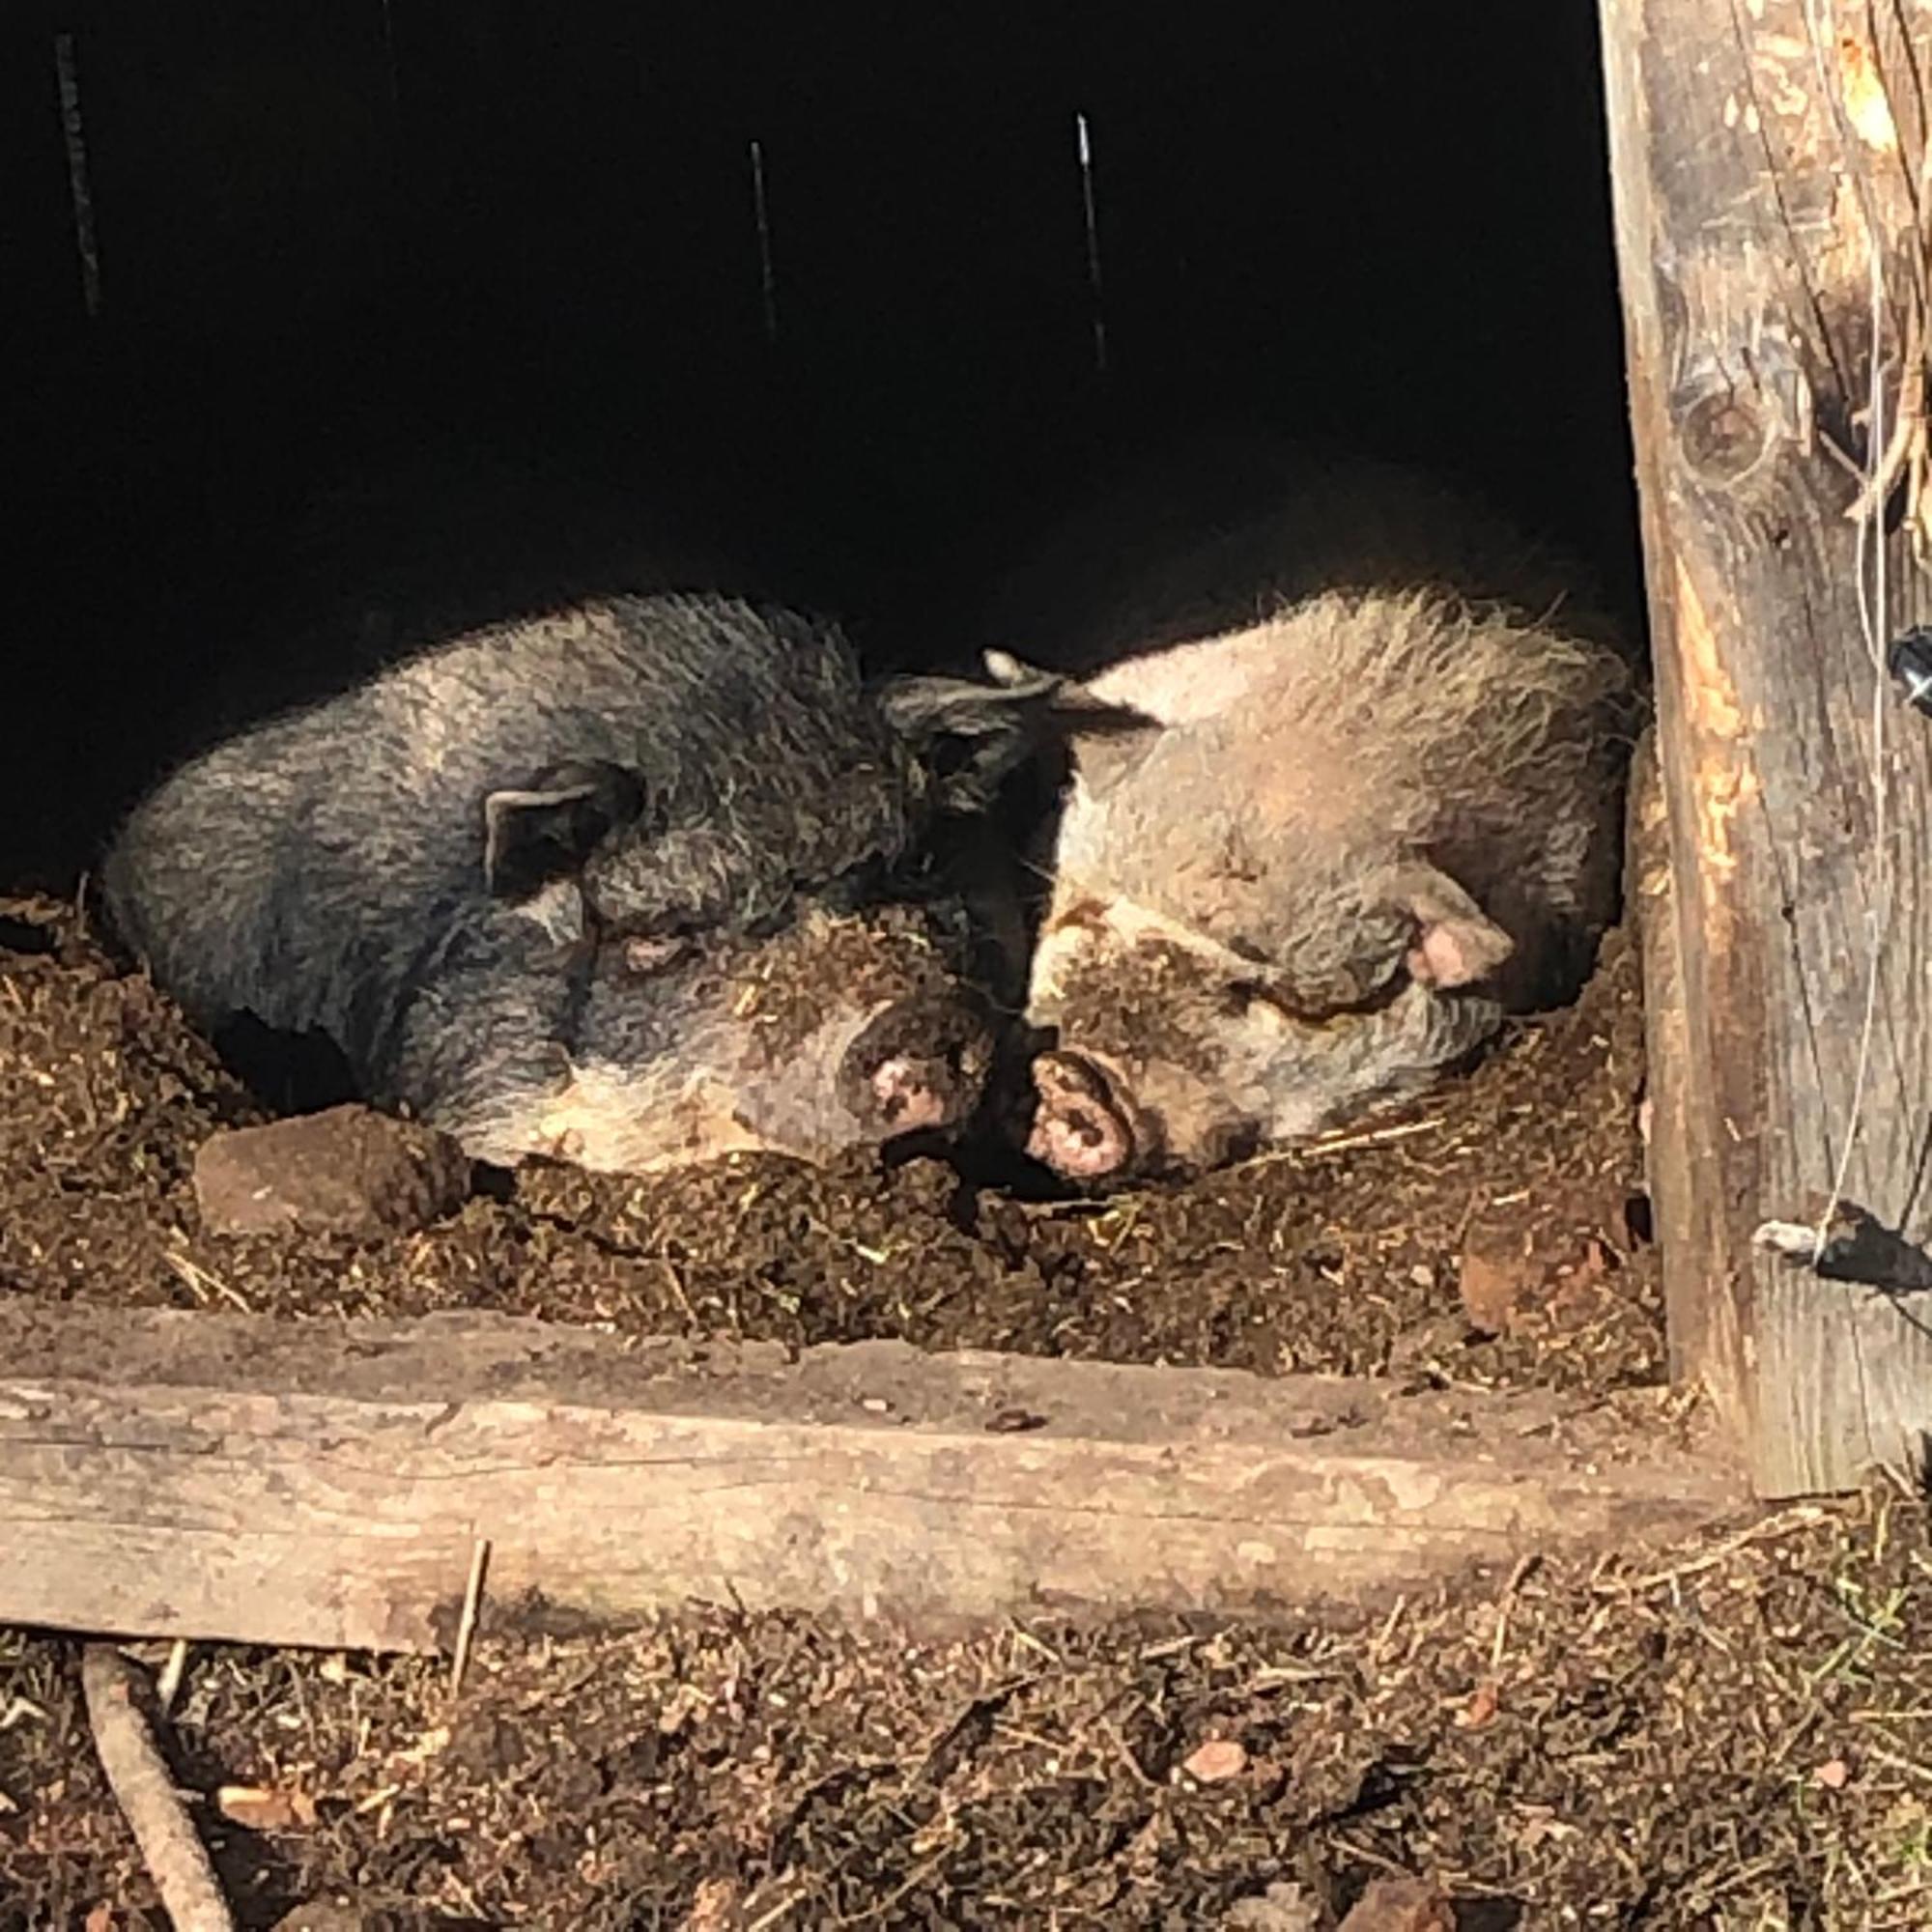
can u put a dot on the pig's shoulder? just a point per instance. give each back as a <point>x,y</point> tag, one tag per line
<point>1189,683</point>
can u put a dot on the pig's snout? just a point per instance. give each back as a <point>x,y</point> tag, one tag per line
<point>1085,1127</point>
<point>918,1066</point>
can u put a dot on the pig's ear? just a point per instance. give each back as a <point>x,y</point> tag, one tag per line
<point>1456,943</point>
<point>973,737</point>
<point>1010,673</point>
<point>1108,740</point>
<point>535,832</point>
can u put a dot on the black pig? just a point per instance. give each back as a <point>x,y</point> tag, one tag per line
<point>636,882</point>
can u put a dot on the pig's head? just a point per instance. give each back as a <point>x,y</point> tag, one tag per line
<point>796,970</point>
<point>842,1030</point>
<point>825,792</point>
<point>1175,1051</point>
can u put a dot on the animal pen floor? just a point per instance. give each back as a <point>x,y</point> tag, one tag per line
<point>1737,1738</point>
<point>1732,1734</point>
<point>1521,1187</point>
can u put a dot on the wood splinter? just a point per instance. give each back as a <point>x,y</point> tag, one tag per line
<point>138,1775</point>
<point>472,1602</point>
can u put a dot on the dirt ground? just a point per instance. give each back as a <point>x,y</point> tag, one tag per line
<point>1737,1736</point>
<point>1527,1179</point>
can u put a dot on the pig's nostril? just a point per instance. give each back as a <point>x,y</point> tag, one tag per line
<point>1081,1143</point>
<point>917,1066</point>
<point>910,1096</point>
<point>1081,1127</point>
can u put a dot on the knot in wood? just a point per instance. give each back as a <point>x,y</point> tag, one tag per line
<point>1726,435</point>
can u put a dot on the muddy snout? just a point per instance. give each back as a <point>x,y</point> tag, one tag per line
<point>1085,1126</point>
<point>918,1066</point>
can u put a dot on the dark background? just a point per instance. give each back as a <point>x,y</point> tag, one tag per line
<point>325,230</point>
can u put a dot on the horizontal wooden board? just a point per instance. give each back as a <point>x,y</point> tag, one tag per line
<point>227,1476</point>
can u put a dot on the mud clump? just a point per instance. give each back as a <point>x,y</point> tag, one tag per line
<point>348,1169</point>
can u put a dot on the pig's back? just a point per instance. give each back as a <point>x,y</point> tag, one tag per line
<point>292,869</point>
<point>1238,530</point>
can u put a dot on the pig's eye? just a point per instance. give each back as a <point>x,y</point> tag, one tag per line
<point>644,954</point>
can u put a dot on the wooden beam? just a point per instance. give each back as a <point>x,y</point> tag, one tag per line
<point>322,1484</point>
<point>1752,168</point>
<point>1677,1204</point>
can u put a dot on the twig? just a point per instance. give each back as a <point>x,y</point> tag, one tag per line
<point>167,1685</point>
<point>176,1859</point>
<point>1895,1762</point>
<point>1504,1603</point>
<point>1906,432</point>
<point>465,1627</point>
<point>772,1914</point>
<point>1344,1142</point>
<point>1136,1769</point>
<point>1386,1634</point>
<point>199,1281</point>
<point>1903,451</point>
<point>1802,1517</point>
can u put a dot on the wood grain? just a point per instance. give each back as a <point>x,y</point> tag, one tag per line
<point>1751,171</point>
<point>310,1482</point>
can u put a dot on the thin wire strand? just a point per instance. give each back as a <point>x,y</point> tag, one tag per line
<point>81,195</point>
<point>1083,147</point>
<point>761,214</point>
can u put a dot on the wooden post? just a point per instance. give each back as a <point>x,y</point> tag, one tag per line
<point>1758,148</point>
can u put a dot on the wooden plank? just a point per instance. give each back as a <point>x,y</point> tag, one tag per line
<point>1676,1204</point>
<point>1748,163</point>
<point>313,1483</point>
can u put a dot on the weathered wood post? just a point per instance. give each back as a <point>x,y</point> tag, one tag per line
<point>1768,157</point>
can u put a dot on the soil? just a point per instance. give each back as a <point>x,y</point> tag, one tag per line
<point>1522,1183</point>
<point>1737,1736</point>
<point>1741,1733</point>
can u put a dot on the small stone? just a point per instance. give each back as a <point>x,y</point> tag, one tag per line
<point>258,1808</point>
<point>1481,1709</point>
<point>323,1918</point>
<point>1281,1908</point>
<point>1402,1905</point>
<point>1495,1277</point>
<point>1835,1774</point>
<point>1217,1759</point>
<point>348,1171</point>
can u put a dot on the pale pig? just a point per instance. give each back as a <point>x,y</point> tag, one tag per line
<point>1357,829</point>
